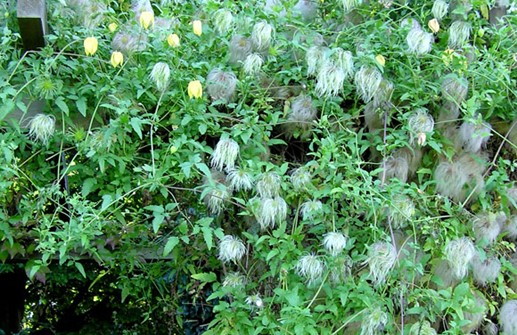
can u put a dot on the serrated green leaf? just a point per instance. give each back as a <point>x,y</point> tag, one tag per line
<point>62,105</point>
<point>136,124</point>
<point>205,277</point>
<point>208,237</point>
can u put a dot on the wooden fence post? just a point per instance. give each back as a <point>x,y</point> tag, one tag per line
<point>32,19</point>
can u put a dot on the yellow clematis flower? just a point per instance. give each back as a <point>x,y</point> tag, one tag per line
<point>173,40</point>
<point>380,59</point>
<point>195,90</point>
<point>112,27</point>
<point>147,19</point>
<point>434,25</point>
<point>90,46</point>
<point>117,58</point>
<point>197,27</point>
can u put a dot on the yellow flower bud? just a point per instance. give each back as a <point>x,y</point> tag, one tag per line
<point>434,25</point>
<point>147,19</point>
<point>381,60</point>
<point>195,90</point>
<point>173,149</point>
<point>90,46</point>
<point>173,40</point>
<point>117,58</point>
<point>197,27</point>
<point>112,27</point>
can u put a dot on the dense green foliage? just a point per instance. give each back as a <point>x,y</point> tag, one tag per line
<point>349,167</point>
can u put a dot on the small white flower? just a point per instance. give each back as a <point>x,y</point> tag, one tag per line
<point>381,259</point>
<point>231,249</point>
<point>374,322</point>
<point>310,267</point>
<point>239,180</point>
<point>507,318</point>
<point>310,208</point>
<point>225,154</point>
<point>271,212</point>
<point>261,35</point>
<point>269,185</point>
<point>367,81</point>
<point>223,20</point>
<point>234,279</point>
<point>315,57</point>
<point>160,75</point>
<point>440,8</point>
<point>459,34</point>
<point>334,243</point>
<point>330,80</point>
<point>459,253</point>
<point>419,42</point>
<point>253,64</point>
<point>42,127</point>
<point>255,301</point>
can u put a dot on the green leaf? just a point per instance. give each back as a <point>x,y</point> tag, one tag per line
<point>136,124</point>
<point>107,199</point>
<point>202,128</point>
<point>80,267</point>
<point>81,105</point>
<point>203,168</point>
<point>208,237</point>
<point>169,246</point>
<point>157,221</point>
<point>205,277</point>
<point>88,186</point>
<point>62,105</point>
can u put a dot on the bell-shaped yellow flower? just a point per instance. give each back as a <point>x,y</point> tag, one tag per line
<point>117,58</point>
<point>112,27</point>
<point>434,25</point>
<point>195,90</point>
<point>173,40</point>
<point>197,27</point>
<point>381,60</point>
<point>90,46</point>
<point>147,19</point>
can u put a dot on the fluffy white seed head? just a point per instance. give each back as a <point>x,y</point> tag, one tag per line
<point>381,259</point>
<point>374,322</point>
<point>349,5</point>
<point>88,13</point>
<point>234,279</point>
<point>231,249</point>
<point>239,179</point>
<point>216,198</point>
<point>367,81</point>
<point>419,42</point>
<point>225,153</point>
<point>222,20</point>
<point>140,6</point>
<point>410,23</point>
<point>261,35</point>
<point>311,208</point>
<point>329,80</point>
<point>396,167</point>
<point>511,228</point>
<point>489,328</point>
<point>271,211</point>
<point>450,180</point>
<point>444,272</point>
<point>240,48</point>
<point>160,75</point>
<point>344,60</point>
<point>459,34</point>
<point>487,227</point>
<point>221,85</point>
<point>474,313</point>
<point>301,179</point>
<point>473,136</point>
<point>455,89</point>
<point>485,271</point>
<point>440,8</point>
<point>42,127</point>
<point>129,42</point>
<point>422,328</point>
<point>401,211</point>
<point>310,267</point>
<point>334,243</point>
<point>459,252</point>
<point>420,121</point>
<point>255,302</point>
<point>507,318</point>
<point>307,10</point>
<point>253,63</point>
<point>269,185</point>
<point>315,57</point>
<point>302,113</point>
<point>382,96</point>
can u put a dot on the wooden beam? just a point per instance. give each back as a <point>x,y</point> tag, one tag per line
<point>32,19</point>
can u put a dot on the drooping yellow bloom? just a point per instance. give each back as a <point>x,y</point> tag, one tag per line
<point>434,25</point>
<point>195,90</point>
<point>117,58</point>
<point>381,60</point>
<point>147,19</point>
<point>90,46</point>
<point>112,27</point>
<point>173,40</point>
<point>197,27</point>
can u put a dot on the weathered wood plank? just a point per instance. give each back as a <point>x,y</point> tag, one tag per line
<point>32,19</point>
